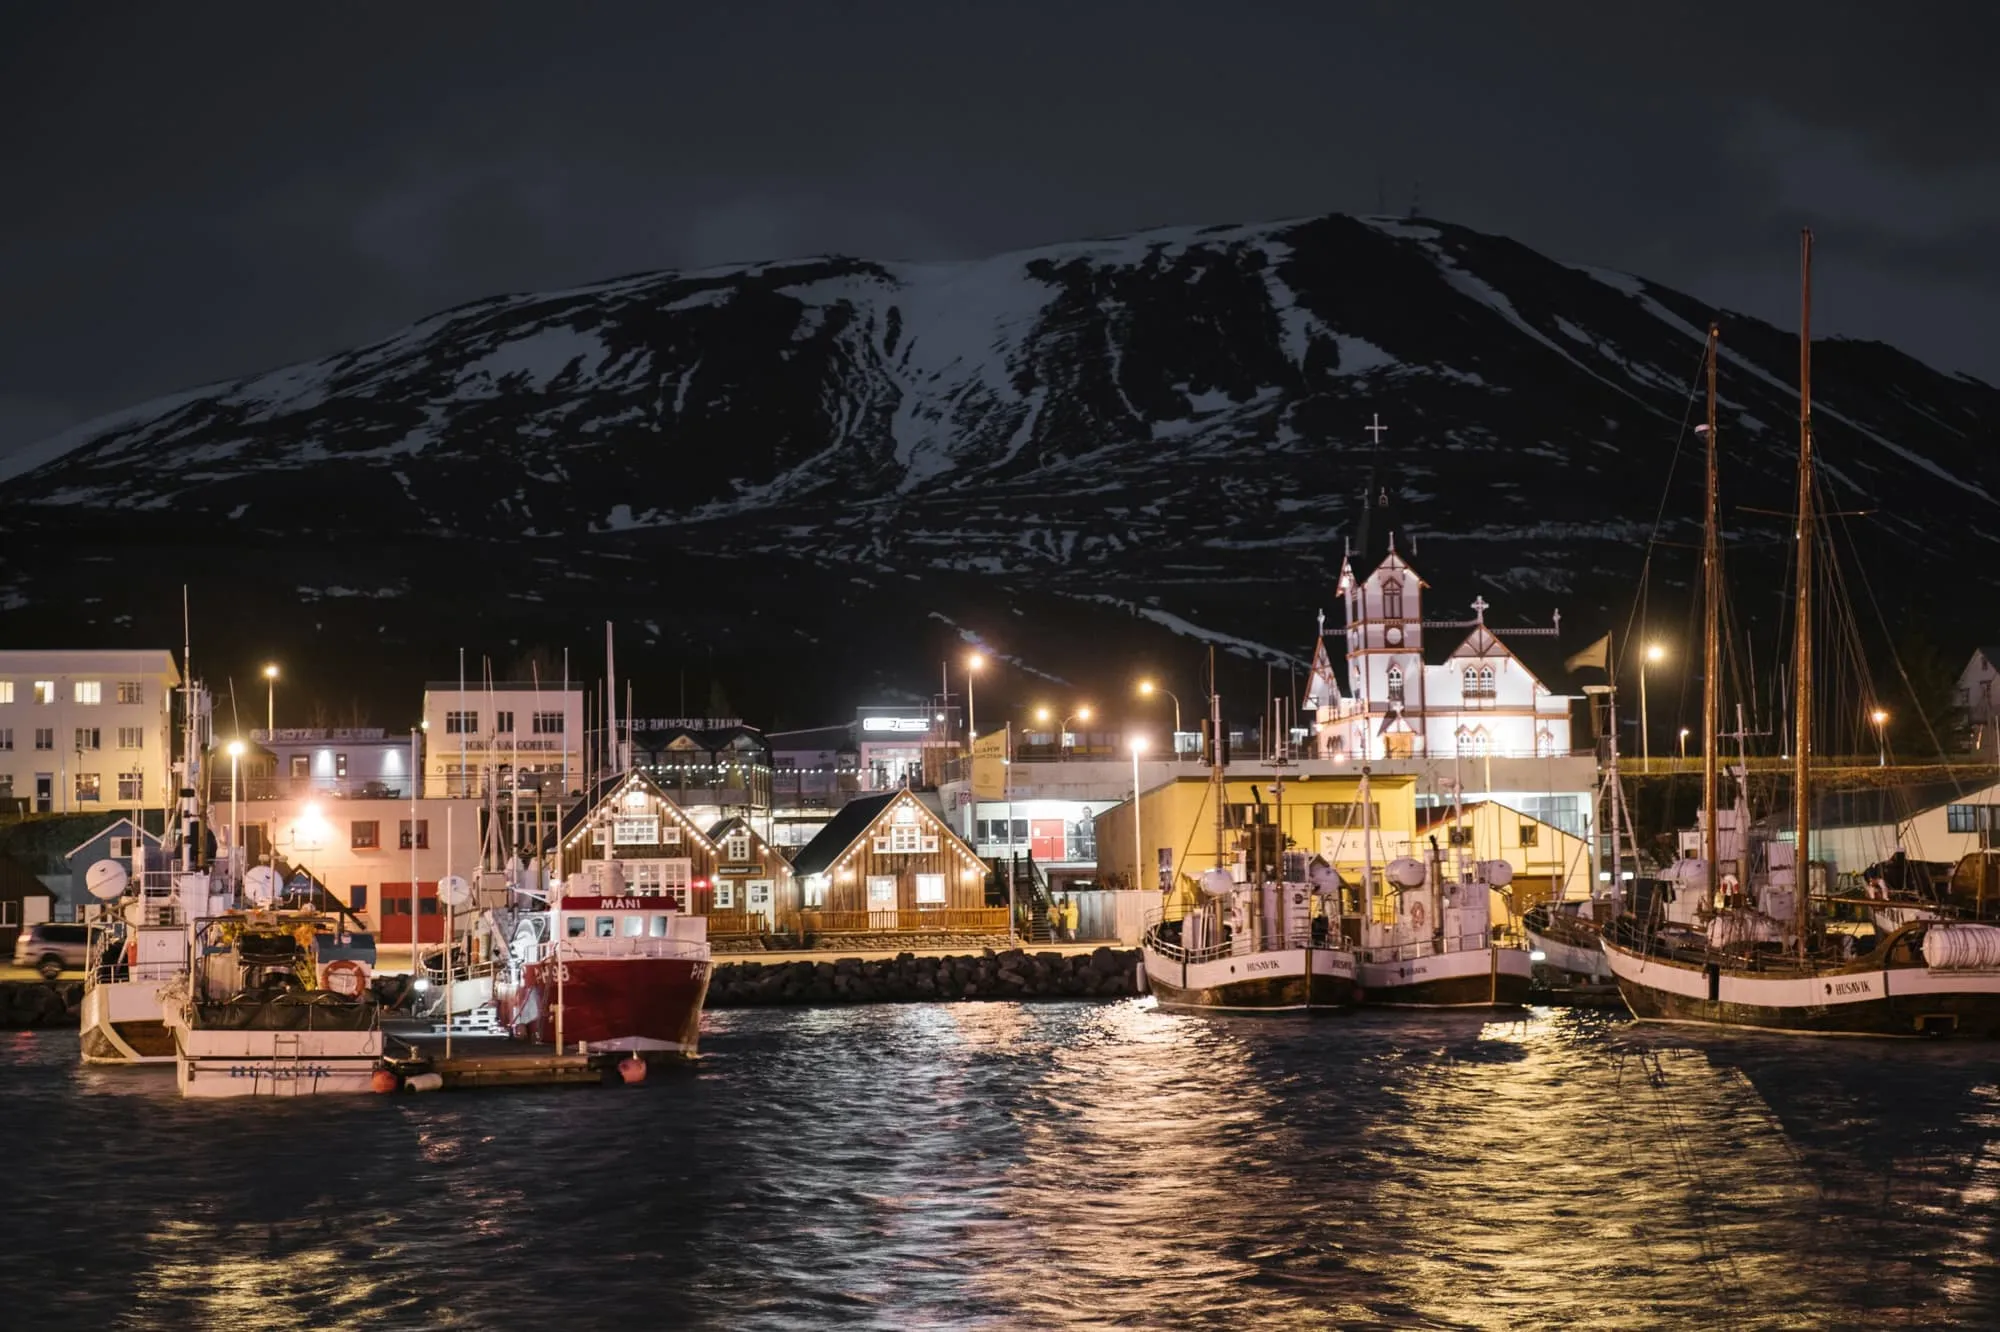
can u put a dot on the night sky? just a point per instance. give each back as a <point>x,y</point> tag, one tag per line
<point>199,192</point>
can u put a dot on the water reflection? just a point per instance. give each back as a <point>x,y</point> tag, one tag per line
<point>1053,1165</point>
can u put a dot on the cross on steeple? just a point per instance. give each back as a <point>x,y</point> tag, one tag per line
<point>1479,608</point>
<point>1375,428</point>
<point>1322,623</point>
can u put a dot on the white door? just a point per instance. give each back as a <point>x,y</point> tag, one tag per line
<point>881,901</point>
<point>757,900</point>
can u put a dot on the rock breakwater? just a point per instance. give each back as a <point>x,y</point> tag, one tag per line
<point>907,978</point>
<point>40,1003</point>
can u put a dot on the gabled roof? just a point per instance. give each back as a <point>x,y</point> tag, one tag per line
<point>840,832</point>
<point>1322,688</point>
<point>152,839</point>
<point>1537,654</point>
<point>603,790</point>
<point>1437,815</point>
<point>1992,655</point>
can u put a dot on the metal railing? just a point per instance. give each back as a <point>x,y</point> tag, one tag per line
<point>939,920</point>
<point>589,949</point>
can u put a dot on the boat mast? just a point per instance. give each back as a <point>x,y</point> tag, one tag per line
<point>1711,640</point>
<point>1802,643</point>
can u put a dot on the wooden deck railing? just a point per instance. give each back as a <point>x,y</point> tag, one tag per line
<point>928,920</point>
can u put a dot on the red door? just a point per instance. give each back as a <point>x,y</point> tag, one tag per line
<point>400,909</point>
<point>1045,839</point>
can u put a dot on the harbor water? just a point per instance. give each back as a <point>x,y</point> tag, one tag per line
<point>1059,1165</point>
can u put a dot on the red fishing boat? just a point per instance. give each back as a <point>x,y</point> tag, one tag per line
<point>606,973</point>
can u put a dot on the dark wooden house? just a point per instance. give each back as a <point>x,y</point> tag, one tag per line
<point>888,863</point>
<point>753,890</point>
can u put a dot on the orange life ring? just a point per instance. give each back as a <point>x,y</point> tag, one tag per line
<point>345,975</point>
<point>1417,915</point>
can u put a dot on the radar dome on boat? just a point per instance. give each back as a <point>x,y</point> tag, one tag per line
<point>1693,869</point>
<point>1407,872</point>
<point>1324,877</point>
<point>260,884</point>
<point>453,890</point>
<point>1217,882</point>
<point>1496,873</point>
<point>106,880</point>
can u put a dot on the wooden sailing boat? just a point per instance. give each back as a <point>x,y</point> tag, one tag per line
<point>1763,962</point>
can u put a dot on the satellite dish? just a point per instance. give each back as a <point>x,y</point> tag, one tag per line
<point>260,884</point>
<point>1217,882</point>
<point>453,890</point>
<point>1497,873</point>
<point>106,880</point>
<point>1407,872</point>
<point>1324,877</point>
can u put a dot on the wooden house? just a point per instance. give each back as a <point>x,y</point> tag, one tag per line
<point>753,890</point>
<point>888,863</point>
<point>628,838</point>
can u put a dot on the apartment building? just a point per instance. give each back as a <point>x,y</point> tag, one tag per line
<point>86,730</point>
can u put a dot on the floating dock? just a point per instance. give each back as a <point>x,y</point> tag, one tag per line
<point>492,1061</point>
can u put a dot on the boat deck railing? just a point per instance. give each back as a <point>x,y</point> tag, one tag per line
<point>589,949</point>
<point>1245,944</point>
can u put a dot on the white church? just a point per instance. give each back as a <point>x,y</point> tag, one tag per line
<point>1482,700</point>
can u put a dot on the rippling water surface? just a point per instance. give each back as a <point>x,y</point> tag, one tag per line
<point>1050,1165</point>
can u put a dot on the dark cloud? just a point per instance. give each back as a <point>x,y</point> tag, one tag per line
<point>199,193</point>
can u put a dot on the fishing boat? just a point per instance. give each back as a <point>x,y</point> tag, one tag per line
<point>136,932</point>
<point>258,1012</point>
<point>1566,937</point>
<point>606,972</point>
<point>1426,928</point>
<point>1721,950</point>
<point>1262,934</point>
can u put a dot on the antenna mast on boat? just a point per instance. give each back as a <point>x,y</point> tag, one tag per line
<point>1711,639</point>
<point>1802,679</point>
<point>1215,754</point>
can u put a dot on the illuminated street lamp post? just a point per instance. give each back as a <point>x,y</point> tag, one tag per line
<point>1138,843</point>
<point>1148,689</point>
<point>1684,743</point>
<point>1654,653</point>
<point>1881,720</point>
<point>1081,714</point>
<point>270,700</point>
<point>972,665</point>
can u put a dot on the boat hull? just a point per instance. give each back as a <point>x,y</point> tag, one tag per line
<point>212,1065</point>
<point>1572,958</point>
<point>649,1004</point>
<point>120,1023</point>
<point>1864,1001</point>
<point>1469,978</point>
<point>1282,980</point>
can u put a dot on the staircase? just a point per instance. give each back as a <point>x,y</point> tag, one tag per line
<point>1033,905</point>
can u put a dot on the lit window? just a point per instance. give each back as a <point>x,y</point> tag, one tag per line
<point>881,891</point>
<point>635,926</point>
<point>635,832</point>
<point>659,927</point>
<point>1395,684</point>
<point>736,847</point>
<point>88,691</point>
<point>815,891</point>
<point>6,691</point>
<point>930,888</point>
<point>45,691</point>
<point>89,786</point>
<point>725,897</point>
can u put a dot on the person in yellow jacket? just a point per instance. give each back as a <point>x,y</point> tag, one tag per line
<point>1069,919</point>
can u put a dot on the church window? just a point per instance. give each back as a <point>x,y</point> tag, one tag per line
<point>1472,741</point>
<point>1395,684</point>
<point>1479,682</point>
<point>1545,743</point>
<point>1392,600</point>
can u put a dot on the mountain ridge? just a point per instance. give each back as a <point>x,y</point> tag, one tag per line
<point>1169,421</point>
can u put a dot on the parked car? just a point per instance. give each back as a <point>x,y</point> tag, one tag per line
<point>53,947</point>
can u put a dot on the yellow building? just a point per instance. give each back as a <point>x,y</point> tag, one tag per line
<point>1320,815</point>
<point>1543,856</point>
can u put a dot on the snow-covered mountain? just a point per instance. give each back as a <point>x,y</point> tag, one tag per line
<point>808,478</point>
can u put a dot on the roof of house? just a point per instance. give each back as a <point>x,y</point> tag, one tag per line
<point>124,821</point>
<point>841,832</point>
<point>1886,805</point>
<point>1438,815</point>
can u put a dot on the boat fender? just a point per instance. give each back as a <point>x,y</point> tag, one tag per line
<point>1140,984</point>
<point>423,1082</point>
<point>382,1081</point>
<point>632,1069</point>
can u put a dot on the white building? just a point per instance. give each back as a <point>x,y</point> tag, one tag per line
<point>87,730</point>
<point>482,735</point>
<point>1979,695</point>
<point>1481,701</point>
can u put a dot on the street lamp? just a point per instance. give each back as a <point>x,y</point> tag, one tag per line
<point>1081,714</point>
<point>1138,843</point>
<point>270,699</point>
<point>1881,720</point>
<point>1147,688</point>
<point>972,665</point>
<point>1684,743</point>
<point>235,822</point>
<point>1654,653</point>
